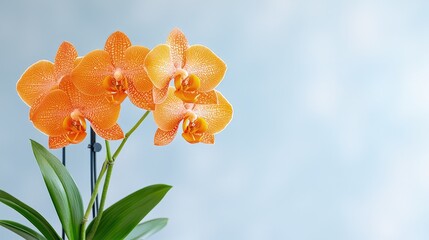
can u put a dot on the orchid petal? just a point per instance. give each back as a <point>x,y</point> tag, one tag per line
<point>141,99</point>
<point>165,137</point>
<point>207,138</point>
<point>116,45</point>
<point>217,115</point>
<point>36,81</point>
<point>169,113</point>
<point>58,141</point>
<point>73,93</point>
<point>159,95</point>
<point>159,66</point>
<point>88,76</point>
<point>178,44</point>
<point>97,109</point>
<point>77,61</point>
<point>100,111</point>
<point>202,62</point>
<point>49,115</point>
<point>113,133</point>
<point>64,60</point>
<point>209,97</point>
<point>134,68</point>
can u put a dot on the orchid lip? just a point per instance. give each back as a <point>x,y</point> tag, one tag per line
<point>75,125</point>
<point>194,127</point>
<point>187,88</point>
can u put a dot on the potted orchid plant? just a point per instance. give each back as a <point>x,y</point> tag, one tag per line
<point>174,81</point>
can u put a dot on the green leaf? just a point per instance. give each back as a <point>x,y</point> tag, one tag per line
<point>62,189</point>
<point>122,217</point>
<point>147,229</point>
<point>23,231</point>
<point>30,214</point>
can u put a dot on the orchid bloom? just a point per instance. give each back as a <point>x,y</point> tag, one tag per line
<point>62,113</point>
<point>118,71</point>
<point>195,69</point>
<point>200,120</point>
<point>43,76</point>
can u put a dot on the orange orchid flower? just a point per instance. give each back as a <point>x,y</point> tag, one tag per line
<point>117,70</point>
<point>62,113</point>
<point>195,69</point>
<point>43,76</point>
<point>200,120</point>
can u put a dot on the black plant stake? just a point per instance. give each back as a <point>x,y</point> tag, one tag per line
<point>94,147</point>
<point>64,163</point>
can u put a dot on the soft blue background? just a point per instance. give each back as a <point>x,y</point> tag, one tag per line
<point>330,136</point>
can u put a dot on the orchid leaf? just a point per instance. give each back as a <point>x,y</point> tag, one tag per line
<point>30,214</point>
<point>62,189</point>
<point>23,231</point>
<point>122,217</point>
<point>147,229</point>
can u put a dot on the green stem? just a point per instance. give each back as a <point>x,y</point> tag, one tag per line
<point>104,193</point>
<point>109,162</point>
<point>128,134</point>
<point>92,200</point>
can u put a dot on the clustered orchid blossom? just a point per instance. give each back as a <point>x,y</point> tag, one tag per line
<point>64,94</point>
<point>175,81</point>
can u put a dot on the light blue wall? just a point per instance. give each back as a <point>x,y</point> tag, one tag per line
<point>331,128</point>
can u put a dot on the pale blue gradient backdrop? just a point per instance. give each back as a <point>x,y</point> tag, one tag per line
<point>330,136</point>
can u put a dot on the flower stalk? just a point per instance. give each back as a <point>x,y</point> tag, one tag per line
<point>107,167</point>
<point>92,200</point>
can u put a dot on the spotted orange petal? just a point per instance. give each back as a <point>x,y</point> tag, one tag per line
<point>98,109</point>
<point>165,137</point>
<point>169,113</point>
<point>77,61</point>
<point>64,60</point>
<point>88,76</point>
<point>113,133</point>
<point>159,66</point>
<point>141,99</point>
<point>134,68</point>
<point>217,115</point>
<point>116,45</point>
<point>73,93</point>
<point>178,44</point>
<point>36,81</point>
<point>49,115</point>
<point>209,97</point>
<point>35,105</point>
<point>62,140</point>
<point>202,62</point>
<point>207,138</point>
<point>159,95</point>
<point>58,141</point>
